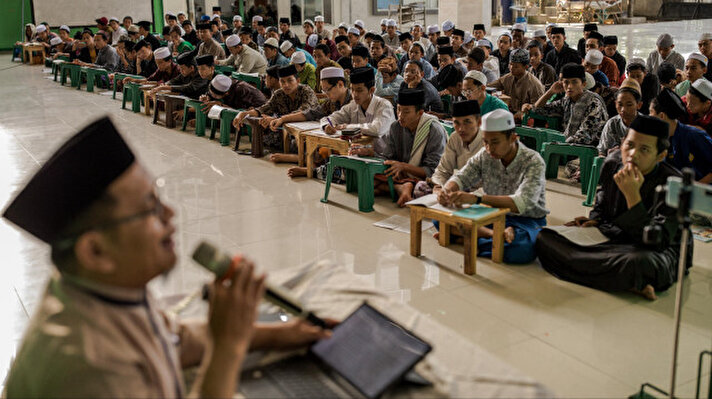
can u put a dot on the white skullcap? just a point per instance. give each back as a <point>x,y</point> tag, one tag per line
<point>313,40</point>
<point>286,45</point>
<point>699,57</point>
<point>433,29</point>
<point>551,25</point>
<point>355,31</point>
<point>384,21</point>
<point>706,36</point>
<point>257,18</point>
<point>41,29</point>
<point>359,23</point>
<point>520,27</point>
<point>704,86</point>
<point>55,41</point>
<point>498,120</point>
<point>332,72</point>
<point>594,57</point>
<point>343,25</point>
<point>113,19</point>
<point>215,16</point>
<point>485,43</point>
<point>161,53</point>
<point>221,83</point>
<point>298,58</point>
<point>539,33</point>
<point>478,76</point>
<point>237,18</point>
<point>509,35</point>
<point>448,25</point>
<point>468,37</point>
<point>232,40</point>
<point>308,21</point>
<point>272,42</point>
<point>181,13</point>
<point>391,22</point>
<point>590,81</point>
<point>318,18</point>
<point>64,28</point>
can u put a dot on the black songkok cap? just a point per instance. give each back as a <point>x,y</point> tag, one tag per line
<point>205,59</point>
<point>379,38</point>
<point>557,30</point>
<point>405,36</point>
<point>671,104</point>
<point>74,177</point>
<point>610,40</point>
<point>141,44</point>
<point>590,28</point>
<point>128,45</point>
<point>78,35</point>
<point>284,21</point>
<point>479,27</point>
<point>273,71</point>
<point>362,75</point>
<point>407,96</point>
<point>449,76</point>
<point>651,126</point>
<point>446,50</point>
<point>458,32</point>
<point>341,38</point>
<point>360,51</point>
<point>442,41</point>
<point>288,70</point>
<point>572,70</point>
<point>186,59</point>
<point>217,8</point>
<point>202,26</point>
<point>465,108</point>
<point>144,24</point>
<point>171,18</point>
<point>595,35</point>
<point>245,30</point>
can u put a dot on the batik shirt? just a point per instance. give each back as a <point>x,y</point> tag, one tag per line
<point>281,104</point>
<point>522,180</point>
<point>613,133</point>
<point>584,118</point>
<point>326,108</point>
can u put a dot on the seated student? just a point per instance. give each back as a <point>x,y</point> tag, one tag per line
<point>244,58</point>
<point>189,83</point>
<point>449,82</point>
<point>446,58</point>
<point>457,38</point>
<point>690,147</point>
<point>491,62</point>
<point>342,46</point>
<point>406,41</point>
<point>388,81</point>
<point>412,147</point>
<point>628,103</point>
<point>379,50</point>
<point>475,62</point>
<point>208,45</point>
<point>167,69</point>
<point>191,35</point>
<point>179,45</point>
<point>474,87</point>
<point>584,113</point>
<point>543,71</point>
<point>512,176</point>
<point>607,66</point>
<point>235,94</point>
<point>360,58</point>
<point>562,54</point>
<point>625,204</point>
<point>79,50</point>
<point>127,57</point>
<point>649,83</point>
<point>416,53</point>
<point>664,53</point>
<point>288,50</point>
<point>699,105</point>
<point>504,45</point>
<point>144,29</point>
<point>145,61</point>
<point>271,81</point>
<point>519,84</point>
<point>56,46</point>
<point>610,49</point>
<point>335,87</point>
<point>306,73</point>
<point>695,68</point>
<point>106,56</point>
<point>668,77</point>
<point>292,96</point>
<point>592,63</point>
<point>323,61</point>
<point>463,144</point>
<point>245,35</point>
<point>414,78</point>
<point>271,49</point>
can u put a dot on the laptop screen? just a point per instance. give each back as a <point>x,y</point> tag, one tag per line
<point>370,351</point>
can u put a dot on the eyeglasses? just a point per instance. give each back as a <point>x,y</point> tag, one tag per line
<point>468,92</point>
<point>326,91</point>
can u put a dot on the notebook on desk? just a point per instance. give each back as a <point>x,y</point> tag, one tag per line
<point>367,354</point>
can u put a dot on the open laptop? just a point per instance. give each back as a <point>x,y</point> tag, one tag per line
<point>367,354</point>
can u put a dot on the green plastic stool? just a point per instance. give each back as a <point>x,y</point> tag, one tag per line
<point>535,137</point>
<point>71,70</point>
<point>56,65</point>
<point>593,181</point>
<point>552,151</point>
<point>223,69</point>
<point>120,76</point>
<point>359,177</point>
<point>201,118</point>
<point>131,90</point>
<point>226,118</point>
<point>551,122</point>
<point>91,75</point>
<point>447,103</point>
<point>253,80</point>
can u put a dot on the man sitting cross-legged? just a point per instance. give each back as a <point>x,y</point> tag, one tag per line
<point>512,176</point>
<point>412,147</point>
<point>189,83</point>
<point>625,204</point>
<point>232,93</point>
<point>291,97</point>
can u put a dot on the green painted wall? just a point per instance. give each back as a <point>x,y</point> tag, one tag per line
<point>11,24</point>
<point>158,19</point>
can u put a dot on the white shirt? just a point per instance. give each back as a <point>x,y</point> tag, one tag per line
<point>374,122</point>
<point>117,34</point>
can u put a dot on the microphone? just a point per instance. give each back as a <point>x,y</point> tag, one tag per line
<point>220,263</point>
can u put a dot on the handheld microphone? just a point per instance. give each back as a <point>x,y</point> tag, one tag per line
<point>220,263</point>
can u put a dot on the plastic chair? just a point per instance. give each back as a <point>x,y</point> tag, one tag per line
<point>552,151</point>
<point>359,177</point>
<point>596,168</point>
<point>91,75</point>
<point>71,70</point>
<point>226,118</point>
<point>224,69</point>
<point>249,78</point>
<point>535,138</point>
<point>132,91</point>
<point>551,122</point>
<point>56,64</point>
<point>119,77</point>
<point>201,118</point>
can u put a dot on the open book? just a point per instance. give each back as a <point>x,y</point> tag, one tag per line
<point>472,211</point>
<point>583,236</point>
<point>305,126</point>
<point>215,111</point>
<point>431,201</point>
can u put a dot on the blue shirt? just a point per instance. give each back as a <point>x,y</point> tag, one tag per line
<point>691,147</point>
<point>601,78</point>
<point>492,103</point>
<point>310,59</point>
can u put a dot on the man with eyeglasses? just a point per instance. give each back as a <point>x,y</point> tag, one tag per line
<point>705,47</point>
<point>98,331</point>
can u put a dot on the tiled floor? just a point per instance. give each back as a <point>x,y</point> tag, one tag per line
<point>578,341</point>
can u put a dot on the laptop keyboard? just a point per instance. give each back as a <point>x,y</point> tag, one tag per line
<point>300,378</point>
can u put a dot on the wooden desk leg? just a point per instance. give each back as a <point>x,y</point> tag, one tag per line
<point>257,140</point>
<point>444,234</point>
<point>170,107</point>
<point>470,233</point>
<point>146,103</point>
<point>155,111</point>
<point>300,150</point>
<point>285,140</point>
<point>416,223</point>
<point>311,147</point>
<point>498,240</point>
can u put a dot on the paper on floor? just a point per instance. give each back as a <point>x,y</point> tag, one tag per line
<point>401,223</point>
<point>583,236</point>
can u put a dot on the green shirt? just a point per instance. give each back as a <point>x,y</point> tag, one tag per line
<point>308,75</point>
<point>492,103</point>
<point>185,46</point>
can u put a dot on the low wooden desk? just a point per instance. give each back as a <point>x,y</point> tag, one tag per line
<point>292,130</point>
<point>30,54</point>
<point>316,138</point>
<point>146,98</point>
<point>172,102</point>
<point>257,136</point>
<point>468,227</point>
